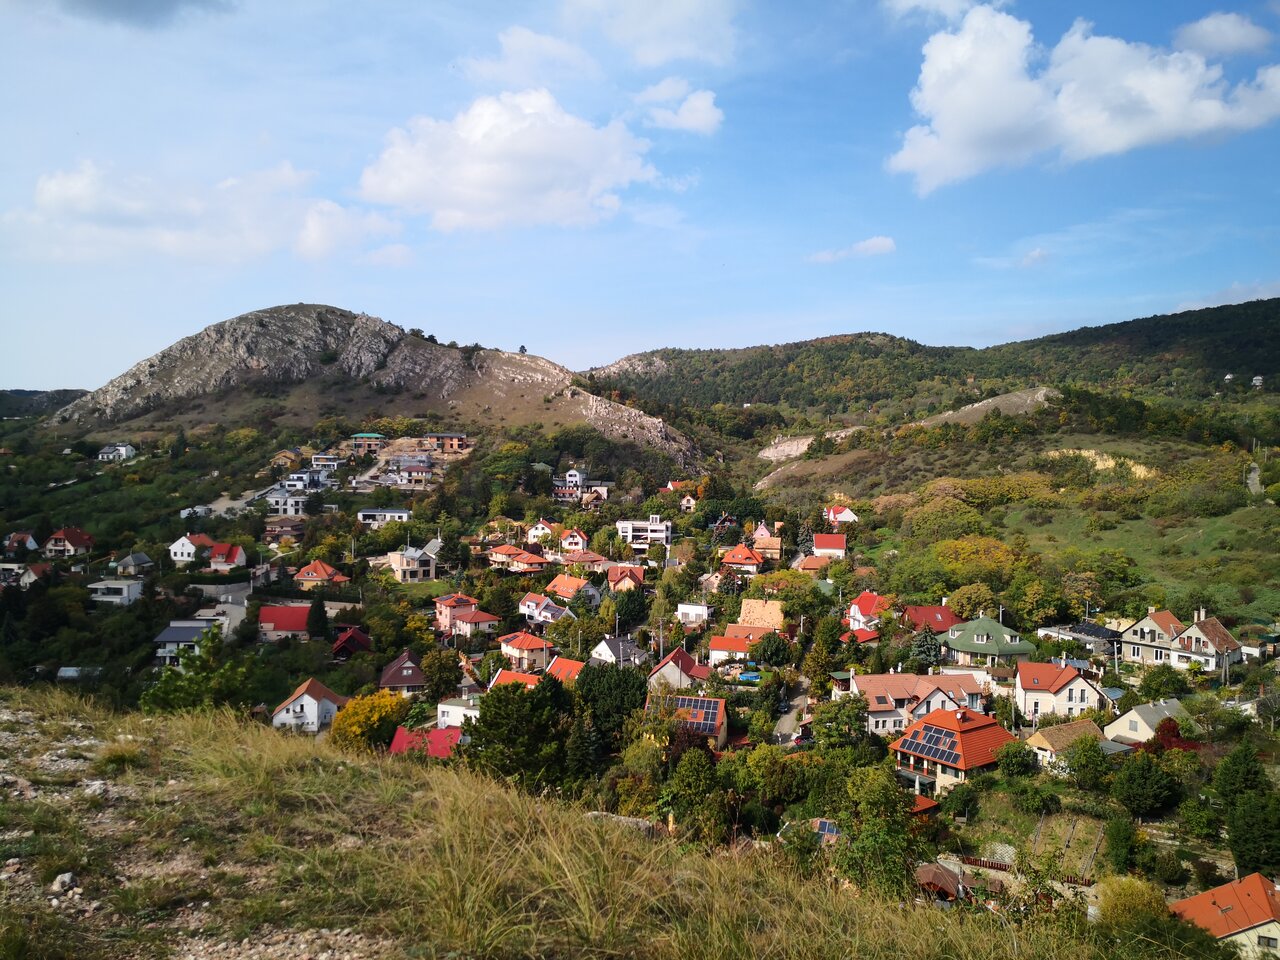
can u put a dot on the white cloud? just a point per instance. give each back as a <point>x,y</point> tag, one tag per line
<point>985,107</point>
<point>949,10</point>
<point>664,91</point>
<point>870,247</point>
<point>85,214</point>
<point>1034,256</point>
<point>656,32</point>
<point>531,59</point>
<point>514,159</point>
<point>697,114</point>
<point>1222,34</point>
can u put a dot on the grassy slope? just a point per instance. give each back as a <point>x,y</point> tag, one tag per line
<point>221,828</point>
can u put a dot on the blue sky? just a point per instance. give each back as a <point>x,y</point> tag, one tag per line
<point>591,178</point>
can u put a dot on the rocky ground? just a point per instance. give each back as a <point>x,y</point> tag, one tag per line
<point>73,864</point>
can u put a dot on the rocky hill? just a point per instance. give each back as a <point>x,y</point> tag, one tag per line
<point>300,362</point>
<point>35,403</point>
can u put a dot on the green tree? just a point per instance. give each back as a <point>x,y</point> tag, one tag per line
<point>1142,786</point>
<point>1238,775</point>
<point>926,648</point>
<point>1163,681</point>
<point>1016,759</point>
<point>878,849</point>
<point>441,674</point>
<point>1253,833</point>
<point>972,600</point>
<point>840,723</point>
<point>611,695</point>
<point>772,649</point>
<point>520,733</point>
<point>370,722</point>
<point>207,677</point>
<point>1087,764</point>
<point>318,619</point>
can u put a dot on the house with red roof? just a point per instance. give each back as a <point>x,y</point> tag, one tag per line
<point>591,562</point>
<point>277,621</point>
<point>504,675</point>
<point>1059,688</point>
<point>573,540</point>
<point>318,574</point>
<point>565,670</point>
<point>525,651</point>
<point>541,532</point>
<point>225,557</point>
<point>836,514</point>
<point>309,709</point>
<point>860,636</point>
<point>743,560</point>
<point>537,608</point>
<point>866,610</point>
<point>68,542</point>
<point>895,700</point>
<point>679,671</point>
<point>946,747</point>
<point>569,588</point>
<point>938,619</point>
<point>721,649</point>
<point>474,623</point>
<point>20,542</point>
<point>189,547</point>
<point>439,743</point>
<point>623,577</point>
<point>351,640</point>
<point>1244,912</point>
<point>449,606</point>
<point>702,715</point>
<point>813,565</point>
<point>403,675</point>
<point>1206,642</point>
<point>1150,641</point>
<point>832,545</point>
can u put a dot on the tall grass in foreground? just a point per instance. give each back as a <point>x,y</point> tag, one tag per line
<point>444,861</point>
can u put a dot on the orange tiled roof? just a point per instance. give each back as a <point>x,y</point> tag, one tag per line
<point>317,691</point>
<point>1232,907</point>
<point>738,645</point>
<point>318,571</point>
<point>976,737</point>
<point>1045,676</point>
<point>564,669</point>
<point>513,676</point>
<point>524,641</point>
<point>565,586</point>
<point>743,556</point>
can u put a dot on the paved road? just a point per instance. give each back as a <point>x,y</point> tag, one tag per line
<point>787,724</point>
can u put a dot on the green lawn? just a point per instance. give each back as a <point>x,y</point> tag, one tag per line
<point>427,590</point>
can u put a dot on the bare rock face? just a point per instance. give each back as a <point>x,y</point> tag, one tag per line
<point>619,422</point>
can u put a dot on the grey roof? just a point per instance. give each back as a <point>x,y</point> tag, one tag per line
<point>1111,747</point>
<point>1113,693</point>
<point>180,633</point>
<point>135,560</point>
<point>623,650</point>
<point>1153,713</point>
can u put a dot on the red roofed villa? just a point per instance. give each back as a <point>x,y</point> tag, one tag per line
<point>317,573</point>
<point>277,622</point>
<point>1245,912</point>
<point>946,747</point>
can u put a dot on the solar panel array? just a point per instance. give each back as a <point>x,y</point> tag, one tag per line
<point>933,743</point>
<point>828,828</point>
<point>701,714</point>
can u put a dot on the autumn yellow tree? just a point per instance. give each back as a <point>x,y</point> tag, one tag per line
<point>369,722</point>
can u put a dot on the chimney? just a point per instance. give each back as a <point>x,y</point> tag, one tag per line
<point>1150,610</point>
<point>944,601</point>
<point>1200,614</point>
<point>960,716</point>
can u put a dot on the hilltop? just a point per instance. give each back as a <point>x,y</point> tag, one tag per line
<point>300,363</point>
<point>1181,355</point>
<point>35,403</point>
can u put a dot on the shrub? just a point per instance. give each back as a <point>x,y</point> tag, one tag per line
<point>370,722</point>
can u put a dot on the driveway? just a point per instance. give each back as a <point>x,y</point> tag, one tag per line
<point>789,722</point>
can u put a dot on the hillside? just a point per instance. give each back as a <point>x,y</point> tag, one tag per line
<point>35,403</point>
<point>1184,355</point>
<point>207,836</point>
<point>297,364</point>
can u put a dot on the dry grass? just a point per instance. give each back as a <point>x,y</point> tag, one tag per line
<point>444,862</point>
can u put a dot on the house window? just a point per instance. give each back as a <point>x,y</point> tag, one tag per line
<point>1269,942</point>
<point>1135,652</point>
<point>1133,726</point>
<point>1071,696</point>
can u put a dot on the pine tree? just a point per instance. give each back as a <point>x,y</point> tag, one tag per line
<point>318,618</point>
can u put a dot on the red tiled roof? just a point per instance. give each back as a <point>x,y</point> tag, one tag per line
<point>317,571</point>
<point>743,556</point>
<point>746,631</point>
<point>936,618</point>
<point>809,564</point>
<point>512,676</point>
<point>685,664</point>
<point>72,535</point>
<point>564,669</point>
<point>573,532</point>
<point>524,641</point>
<point>282,619</point>
<point>201,540</point>
<point>870,604</point>
<point>583,556</point>
<point>736,645</point>
<point>457,600</point>
<point>393,674</point>
<point>226,553</point>
<point>566,586</point>
<point>1045,676</point>
<point>1167,622</point>
<point>317,691</point>
<point>977,737</point>
<point>861,635</point>
<point>437,742</point>
<point>1232,907</point>
<point>353,639</point>
<point>922,806</point>
<point>623,572</point>
<point>475,616</point>
<point>830,541</point>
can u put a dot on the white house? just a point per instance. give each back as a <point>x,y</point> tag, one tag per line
<point>1042,688</point>
<point>836,515</point>
<point>375,518</point>
<point>286,503</point>
<point>640,534</point>
<point>692,614</point>
<point>119,593</point>
<point>1139,724</point>
<point>721,649</point>
<point>1149,642</point>
<point>830,545</point>
<point>540,532</point>
<point>536,608</point>
<point>178,637</point>
<point>189,547</point>
<point>896,700</point>
<point>617,652</point>
<point>573,541</point>
<point>310,708</point>
<point>117,452</point>
<point>452,713</point>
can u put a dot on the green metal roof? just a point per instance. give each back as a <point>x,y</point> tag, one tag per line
<point>1000,640</point>
<point>368,436</point>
